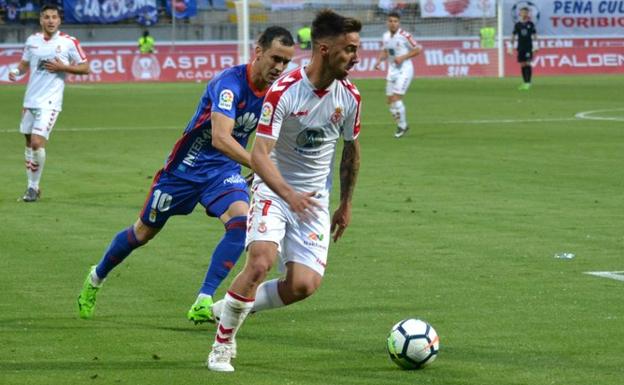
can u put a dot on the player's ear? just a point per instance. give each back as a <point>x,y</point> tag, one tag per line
<point>258,51</point>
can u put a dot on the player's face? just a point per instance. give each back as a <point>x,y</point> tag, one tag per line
<point>524,15</point>
<point>50,21</point>
<point>393,24</point>
<point>343,54</point>
<point>274,60</point>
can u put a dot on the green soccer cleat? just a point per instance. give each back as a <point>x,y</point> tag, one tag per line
<point>86,298</point>
<point>524,86</point>
<point>201,311</point>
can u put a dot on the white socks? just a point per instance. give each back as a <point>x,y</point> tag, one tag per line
<point>397,109</point>
<point>235,310</point>
<point>35,160</point>
<point>267,296</point>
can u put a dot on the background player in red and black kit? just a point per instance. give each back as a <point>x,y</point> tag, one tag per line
<point>525,29</point>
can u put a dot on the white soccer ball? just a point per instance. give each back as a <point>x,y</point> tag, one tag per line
<point>413,343</point>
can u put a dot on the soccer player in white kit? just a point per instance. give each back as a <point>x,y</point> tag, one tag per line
<point>303,116</point>
<point>49,55</point>
<point>399,47</point>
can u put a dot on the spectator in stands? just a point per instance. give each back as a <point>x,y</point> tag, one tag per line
<point>304,37</point>
<point>146,43</point>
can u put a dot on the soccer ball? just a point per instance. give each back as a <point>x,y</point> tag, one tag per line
<point>413,343</point>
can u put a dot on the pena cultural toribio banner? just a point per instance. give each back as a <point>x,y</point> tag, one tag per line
<point>569,18</point>
<point>200,62</point>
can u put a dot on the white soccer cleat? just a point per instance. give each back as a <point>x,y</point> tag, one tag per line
<point>219,359</point>
<point>401,131</point>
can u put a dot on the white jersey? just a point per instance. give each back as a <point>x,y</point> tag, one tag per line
<point>45,89</point>
<point>398,44</point>
<point>306,124</point>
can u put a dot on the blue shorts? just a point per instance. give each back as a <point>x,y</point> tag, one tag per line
<point>171,195</point>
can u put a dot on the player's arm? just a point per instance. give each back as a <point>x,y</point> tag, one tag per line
<point>57,65</point>
<point>513,41</point>
<point>21,69</point>
<point>381,56</point>
<point>300,203</point>
<point>349,169</point>
<point>410,54</point>
<point>223,141</point>
<point>534,40</point>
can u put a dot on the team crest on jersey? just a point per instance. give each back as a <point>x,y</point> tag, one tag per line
<point>336,116</point>
<point>226,97</point>
<point>265,115</point>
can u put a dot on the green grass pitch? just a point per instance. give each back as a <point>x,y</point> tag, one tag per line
<point>457,223</point>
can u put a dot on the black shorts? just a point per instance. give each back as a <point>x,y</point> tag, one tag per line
<point>524,55</point>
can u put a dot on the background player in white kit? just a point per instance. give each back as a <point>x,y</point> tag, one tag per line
<point>49,55</point>
<point>303,115</point>
<point>399,47</point>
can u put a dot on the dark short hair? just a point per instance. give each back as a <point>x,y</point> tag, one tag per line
<point>328,23</point>
<point>525,9</point>
<point>274,32</point>
<point>395,14</point>
<point>50,7</point>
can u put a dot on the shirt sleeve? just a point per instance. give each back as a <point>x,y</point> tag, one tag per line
<point>274,111</point>
<point>27,54</point>
<point>351,128</point>
<point>516,29</point>
<point>76,54</point>
<point>225,96</point>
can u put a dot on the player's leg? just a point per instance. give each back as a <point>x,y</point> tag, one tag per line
<point>266,230</point>
<point>168,196</point>
<point>239,301</point>
<point>403,80</point>
<point>225,254</point>
<point>36,125</point>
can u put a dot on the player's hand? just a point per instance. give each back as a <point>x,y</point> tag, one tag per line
<point>535,50</point>
<point>398,61</point>
<point>54,65</point>
<point>377,66</point>
<point>303,204</point>
<point>340,221</point>
<point>510,51</point>
<point>13,74</point>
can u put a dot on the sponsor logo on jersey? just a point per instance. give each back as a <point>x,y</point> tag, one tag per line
<point>262,228</point>
<point>58,49</point>
<point>245,124</point>
<point>315,237</point>
<point>300,113</point>
<point>226,97</point>
<point>311,138</point>
<point>265,115</point>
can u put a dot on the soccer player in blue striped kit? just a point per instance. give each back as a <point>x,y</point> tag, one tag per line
<point>205,167</point>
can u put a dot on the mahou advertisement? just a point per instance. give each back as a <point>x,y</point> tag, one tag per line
<point>440,58</point>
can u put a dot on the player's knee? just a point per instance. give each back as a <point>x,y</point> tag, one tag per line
<point>303,288</point>
<point>144,233</point>
<point>257,269</point>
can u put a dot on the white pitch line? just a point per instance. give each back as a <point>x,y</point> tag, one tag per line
<point>617,275</point>
<point>388,123</point>
<point>587,115</point>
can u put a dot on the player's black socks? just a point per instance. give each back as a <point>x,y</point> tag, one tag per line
<point>525,74</point>
<point>529,71</point>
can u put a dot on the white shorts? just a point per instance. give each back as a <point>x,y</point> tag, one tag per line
<point>38,121</point>
<point>270,219</point>
<point>397,82</point>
